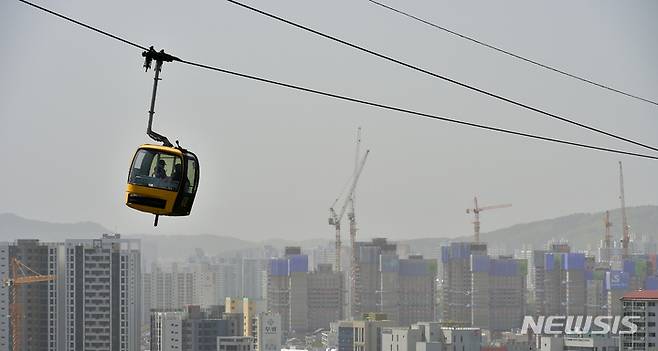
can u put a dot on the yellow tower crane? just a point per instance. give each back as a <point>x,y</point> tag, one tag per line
<point>476,212</point>
<point>20,275</point>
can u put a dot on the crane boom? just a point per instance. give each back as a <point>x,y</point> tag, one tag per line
<point>476,213</point>
<point>357,174</point>
<point>494,207</point>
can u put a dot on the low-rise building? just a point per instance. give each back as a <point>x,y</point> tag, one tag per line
<point>190,329</point>
<point>361,335</point>
<point>584,343</point>
<point>235,343</point>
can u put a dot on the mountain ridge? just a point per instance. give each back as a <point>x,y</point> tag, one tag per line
<point>580,229</point>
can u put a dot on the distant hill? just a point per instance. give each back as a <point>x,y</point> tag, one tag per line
<point>13,226</point>
<point>580,230</point>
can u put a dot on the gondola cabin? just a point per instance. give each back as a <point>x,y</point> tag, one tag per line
<point>163,180</point>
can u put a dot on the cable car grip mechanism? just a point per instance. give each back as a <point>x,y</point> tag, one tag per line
<point>159,57</point>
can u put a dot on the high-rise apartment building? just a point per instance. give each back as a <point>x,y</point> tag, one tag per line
<point>94,302</point>
<point>254,278</point>
<point>366,288</point>
<point>536,286</point>
<point>498,293</point>
<point>576,294</point>
<point>325,297</point>
<point>103,294</point>
<point>457,282</point>
<point>40,303</point>
<point>555,280</point>
<point>167,289</point>
<point>304,300</point>
<point>403,289</point>
<point>596,303</point>
<point>278,290</point>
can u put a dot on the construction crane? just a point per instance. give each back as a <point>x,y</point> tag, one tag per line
<point>351,216</point>
<point>476,212</point>
<point>20,275</point>
<point>608,237</point>
<point>335,218</point>
<point>626,236</point>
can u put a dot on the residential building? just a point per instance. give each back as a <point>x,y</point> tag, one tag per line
<point>248,309</point>
<point>367,291</point>
<point>498,293</point>
<point>403,289</point>
<point>167,331</point>
<point>584,343</point>
<point>361,335</point>
<point>103,294</point>
<point>41,303</point>
<point>168,288</point>
<point>191,329</point>
<point>268,333</point>
<point>457,282</point>
<point>254,278</point>
<point>642,304</point>
<point>325,297</point>
<point>462,339</point>
<point>424,336</point>
<point>304,300</point>
<point>235,343</point>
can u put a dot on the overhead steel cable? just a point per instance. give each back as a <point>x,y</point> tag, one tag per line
<point>509,53</point>
<point>436,75</point>
<point>365,102</point>
<point>415,113</point>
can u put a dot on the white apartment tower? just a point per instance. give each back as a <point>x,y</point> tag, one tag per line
<point>103,294</point>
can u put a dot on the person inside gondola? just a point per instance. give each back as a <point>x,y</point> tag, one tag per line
<point>177,176</point>
<point>160,171</point>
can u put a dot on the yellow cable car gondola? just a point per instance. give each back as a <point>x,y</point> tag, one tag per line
<point>163,179</point>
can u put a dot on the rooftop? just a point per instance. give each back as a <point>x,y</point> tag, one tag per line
<point>641,295</point>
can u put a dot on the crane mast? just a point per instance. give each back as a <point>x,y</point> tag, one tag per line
<point>624,220</point>
<point>607,241</point>
<point>608,225</point>
<point>476,214</point>
<point>351,215</point>
<point>333,220</point>
<point>336,217</point>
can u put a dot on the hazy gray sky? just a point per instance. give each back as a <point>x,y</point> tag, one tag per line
<point>73,110</point>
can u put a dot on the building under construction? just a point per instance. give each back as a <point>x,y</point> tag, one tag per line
<point>76,295</point>
<point>482,291</point>
<point>498,292</point>
<point>403,289</point>
<point>36,303</point>
<point>305,300</point>
<point>456,286</point>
